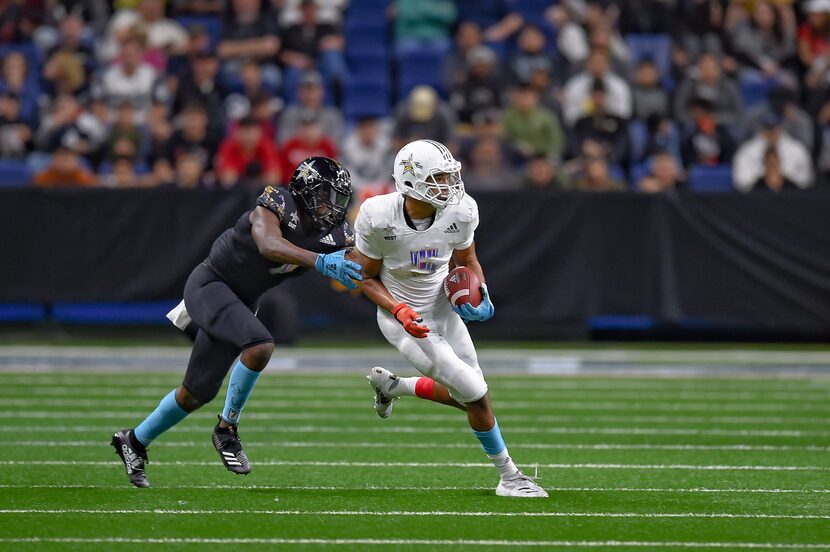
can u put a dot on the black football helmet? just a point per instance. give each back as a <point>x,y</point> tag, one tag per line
<point>322,187</point>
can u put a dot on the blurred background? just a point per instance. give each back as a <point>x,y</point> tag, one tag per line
<point>645,169</point>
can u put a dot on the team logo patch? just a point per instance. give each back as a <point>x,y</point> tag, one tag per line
<point>424,260</point>
<point>452,229</point>
<point>409,165</point>
<point>328,240</point>
<point>293,220</point>
<point>390,238</point>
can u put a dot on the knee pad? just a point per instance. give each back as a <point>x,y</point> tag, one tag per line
<point>466,385</point>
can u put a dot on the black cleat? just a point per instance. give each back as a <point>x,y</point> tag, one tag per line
<point>227,444</point>
<point>131,456</point>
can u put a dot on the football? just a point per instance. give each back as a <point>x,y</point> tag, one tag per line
<point>462,286</point>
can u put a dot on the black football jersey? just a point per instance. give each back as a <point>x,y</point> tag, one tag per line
<point>235,258</point>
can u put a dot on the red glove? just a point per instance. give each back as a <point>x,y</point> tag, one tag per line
<point>410,320</point>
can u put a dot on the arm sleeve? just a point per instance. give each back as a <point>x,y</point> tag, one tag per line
<point>368,240</point>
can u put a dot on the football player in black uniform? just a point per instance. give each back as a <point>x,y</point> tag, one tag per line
<point>284,235</point>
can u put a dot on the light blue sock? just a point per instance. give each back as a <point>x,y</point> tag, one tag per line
<point>491,441</point>
<point>167,414</point>
<point>240,386</point>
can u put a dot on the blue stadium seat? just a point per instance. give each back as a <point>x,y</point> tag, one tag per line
<point>532,10</point>
<point>365,98</point>
<point>22,312</point>
<point>368,67</point>
<point>152,312</point>
<point>366,40</point>
<point>620,322</point>
<point>213,25</point>
<point>34,59</point>
<point>367,14</point>
<point>756,90</point>
<point>14,173</point>
<point>637,172</point>
<point>419,67</point>
<point>654,46</point>
<point>711,179</point>
<point>638,134</point>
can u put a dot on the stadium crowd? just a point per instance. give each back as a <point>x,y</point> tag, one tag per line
<point>601,95</point>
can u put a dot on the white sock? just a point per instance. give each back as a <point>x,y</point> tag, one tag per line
<point>401,387</point>
<point>503,463</point>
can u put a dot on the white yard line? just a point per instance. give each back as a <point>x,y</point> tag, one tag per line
<point>345,464</point>
<point>423,542</point>
<point>469,446</point>
<point>453,430</point>
<point>407,513</point>
<point>706,490</point>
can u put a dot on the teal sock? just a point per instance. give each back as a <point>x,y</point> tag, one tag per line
<point>167,414</point>
<point>240,386</point>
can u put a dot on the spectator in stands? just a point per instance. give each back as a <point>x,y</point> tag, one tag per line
<point>18,20</point>
<point>241,103</point>
<point>367,152</point>
<point>481,89</point>
<point>190,172</point>
<point>595,177</point>
<point>165,37</point>
<point>773,179</point>
<point>17,79</point>
<point>488,125</point>
<point>664,174</point>
<point>70,42</point>
<point>488,169</point>
<point>199,85</point>
<point>765,41</point>
<point>454,69</point>
<point>646,16</point>
<point>65,73</point>
<point>649,95</point>
<point>69,124</point>
<point>543,173</point>
<point>577,23</point>
<point>577,90</point>
<point>492,16</point>
<point>309,141</point>
<point>532,128</point>
<point>814,40</point>
<point>796,164</point>
<point>65,170</point>
<point>248,158</point>
<point>707,142</point>
<point>531,57</point>
<point>125,129</point>
<point>782,101</point>
<point>131,79</point>
<point>663,135</point>
<point>310,95</point>
<point>123,173</point>
<point>192,137</point>
<point>698,30</point>
<point>249,34</point>
<point>311,43</point>
<point>424,24</point>
<point>93,14</point>
<point>290,11</point>
<point>15,133</point>
<point>423,115</point>
<point>707,81</point>
<point>599,126</point>
<point>197,7</point>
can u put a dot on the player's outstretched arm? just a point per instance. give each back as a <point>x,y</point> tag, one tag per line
<point>265,229</point>
<point>379,295</point>
<point>485,311</point>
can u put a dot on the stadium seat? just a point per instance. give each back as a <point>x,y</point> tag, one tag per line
<point>366,14</point>
<point>366,40</point>
<point>531,10</point>
<point>711,179</point>
<point>22,312</point>
<point>365,98</point>
<point>756,90</point>
<point>113,313</point>
<point>638,172</point>
<point>654,46</point>
<point>621,322</point>
<point>34,59</point>
<point>419,67</point>
<point>638,134</point>
<point>213,25</point>
<point>14,173</point>
<point>369,67</point>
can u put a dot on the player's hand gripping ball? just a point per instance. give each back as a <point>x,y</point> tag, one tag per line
<point>468,296</point>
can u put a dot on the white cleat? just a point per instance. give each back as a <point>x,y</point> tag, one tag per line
<point>520,485</point>
<point>383,382</point>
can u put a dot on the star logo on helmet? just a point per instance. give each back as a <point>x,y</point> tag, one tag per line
<point>304,173</point>
<point>409,165</point>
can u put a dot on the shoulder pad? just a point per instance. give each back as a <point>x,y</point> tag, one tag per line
<point>467,209</point>
<point>273,200</point>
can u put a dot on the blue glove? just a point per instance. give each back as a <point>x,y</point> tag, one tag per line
<point>337,267</point>
<point>484,311</point>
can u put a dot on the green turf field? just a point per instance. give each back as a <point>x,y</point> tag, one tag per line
<point>631,464</point>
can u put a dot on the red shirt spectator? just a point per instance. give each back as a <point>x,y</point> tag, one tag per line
<point>248,158</point>
<point>308,142</point>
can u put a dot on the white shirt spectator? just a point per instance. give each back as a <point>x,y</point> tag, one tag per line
<point>368,163</point>
<point>162,34</point>
<point>578,91</point>
<point>136,88</point>
<point>748,165</point>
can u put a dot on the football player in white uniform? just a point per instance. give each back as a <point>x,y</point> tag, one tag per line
<point>405,243</point>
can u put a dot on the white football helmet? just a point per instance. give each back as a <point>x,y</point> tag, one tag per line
<point>416,167</point>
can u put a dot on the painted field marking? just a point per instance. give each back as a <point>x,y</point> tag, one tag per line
<point>430,488</point>
<point>344,464</point>
<point>406,513</point>
<point>424,542</point>
<point>469,446</point>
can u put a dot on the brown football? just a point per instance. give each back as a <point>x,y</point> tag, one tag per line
<point>462,286</point>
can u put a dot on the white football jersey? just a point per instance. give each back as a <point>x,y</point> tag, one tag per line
<point>415,262</point>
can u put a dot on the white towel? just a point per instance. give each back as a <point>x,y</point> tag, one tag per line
<point>179,316</point>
